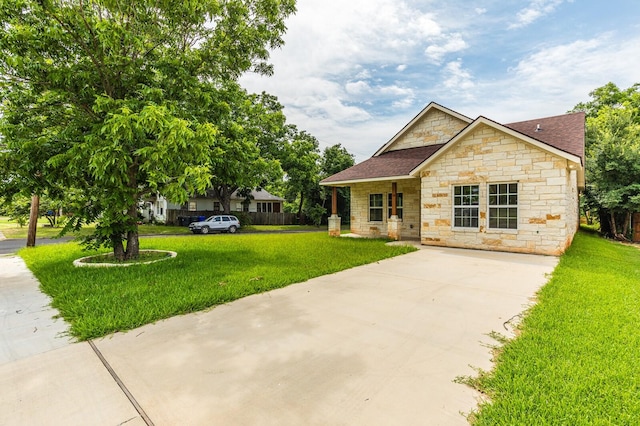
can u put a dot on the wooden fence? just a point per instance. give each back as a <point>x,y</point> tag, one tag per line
<point>174,217</point>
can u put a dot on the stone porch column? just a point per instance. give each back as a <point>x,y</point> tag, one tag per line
<point>334,219</point>
<point>394,223</point>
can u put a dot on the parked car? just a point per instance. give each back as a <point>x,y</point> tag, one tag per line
<point>220,223</point>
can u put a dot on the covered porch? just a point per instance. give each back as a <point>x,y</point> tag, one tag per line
<point>385,208</point>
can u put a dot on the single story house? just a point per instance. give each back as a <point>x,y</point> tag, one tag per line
<point>448,180</point>
<point>161,210</point>
<point>261,201</point>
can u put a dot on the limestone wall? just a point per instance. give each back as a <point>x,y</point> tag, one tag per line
<point>360,224</point>
<point>435,127</point>
<point>547,195</point>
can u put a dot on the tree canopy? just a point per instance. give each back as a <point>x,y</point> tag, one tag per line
<point>122,99</point>
<point>613,156</point>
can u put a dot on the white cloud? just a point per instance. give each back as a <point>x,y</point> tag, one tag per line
<point>458,79</point>
<point>535,10</point>
<point>348,72</point>
<point>554,79</point>
<point>358,87</point>
<point>450,44</point>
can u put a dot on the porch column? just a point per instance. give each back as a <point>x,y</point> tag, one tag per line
<point>334,219</point>
<point>393,224</point>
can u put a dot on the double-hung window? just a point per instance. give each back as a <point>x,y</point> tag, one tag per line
<point>503,206</point>
<point>375,208</point>
<point>399,204</point>
<point>466,202</point>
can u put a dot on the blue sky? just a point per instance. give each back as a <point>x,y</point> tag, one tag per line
<point>356,71</point>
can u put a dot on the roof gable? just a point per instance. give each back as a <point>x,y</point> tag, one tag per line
<point>561,135</point>
<point>483,120</point>
<point>437,137</point>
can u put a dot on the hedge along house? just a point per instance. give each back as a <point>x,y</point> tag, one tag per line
<point>448,180</point>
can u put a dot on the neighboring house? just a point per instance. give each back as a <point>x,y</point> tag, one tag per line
<point>448,180</point>
<point>160,210</point>
<point>154,209</point>
<point>262,207</point>
<point>260,201</point>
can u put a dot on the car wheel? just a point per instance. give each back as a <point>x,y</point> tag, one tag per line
<point>232,229</point>
<point>205,230</point>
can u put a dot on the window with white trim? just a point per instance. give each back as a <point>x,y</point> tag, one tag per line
<point>193,206</point>
<point>264,207</point>
<point>399,204</point>
<point>466,202</point>
<point>375,207</point>
<point>503,206</point>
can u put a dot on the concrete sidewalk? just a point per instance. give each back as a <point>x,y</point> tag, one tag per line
<point>377,344</point>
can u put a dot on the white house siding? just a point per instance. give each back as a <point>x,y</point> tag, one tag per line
<point>410,189</point>
<point>547,194</point>
<point>435,127</point>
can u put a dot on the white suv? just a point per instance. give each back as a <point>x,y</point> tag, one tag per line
<point>221,223</point>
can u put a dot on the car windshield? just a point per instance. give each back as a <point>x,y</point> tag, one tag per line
<point>210,219</point>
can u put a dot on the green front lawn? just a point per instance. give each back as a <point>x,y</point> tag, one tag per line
<point>208,271</point>
<point>11,229</point>
<point>576,360</point>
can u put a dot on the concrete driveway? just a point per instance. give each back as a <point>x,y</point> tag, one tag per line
<point>377,344</point>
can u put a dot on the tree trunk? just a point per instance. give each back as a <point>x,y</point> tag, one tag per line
<point>118,247</point>
<point>612,220</point>
<point>300,208</point>
<point>33,221</point>
<point>223,194</point>
<point>133,242</point>
<point>627,225</point>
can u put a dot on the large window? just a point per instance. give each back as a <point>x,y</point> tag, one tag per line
<point>466,199</point>
<point>375,207</point>
<point>503,206</point>
<point>399,204</point>
<point>264,207</point>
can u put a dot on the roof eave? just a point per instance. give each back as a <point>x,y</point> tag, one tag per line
<point>366,180</point>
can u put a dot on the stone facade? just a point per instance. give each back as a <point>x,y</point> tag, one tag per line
<point>409,226</point>
<point>435,127</point>
<point>542,172</point>
<point>547,194</point>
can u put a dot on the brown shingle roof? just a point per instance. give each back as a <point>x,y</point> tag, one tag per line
<point>388,164</point>
<point>565,132</point>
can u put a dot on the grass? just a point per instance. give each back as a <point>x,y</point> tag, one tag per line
<point>576,360</point>
<point>275,228</point>
<point>11,229</point>
<point>208,271</point>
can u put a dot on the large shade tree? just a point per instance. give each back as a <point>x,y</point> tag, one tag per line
<point>107,97</point>
<point>251,130</point>
<point>613,156</point>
